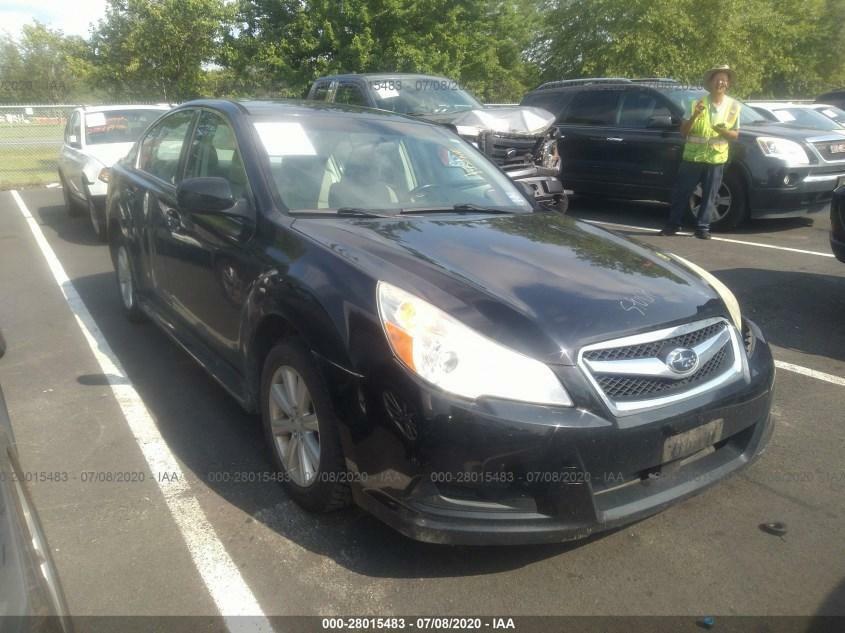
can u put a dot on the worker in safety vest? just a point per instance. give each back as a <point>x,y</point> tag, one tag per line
<point>713,122</point>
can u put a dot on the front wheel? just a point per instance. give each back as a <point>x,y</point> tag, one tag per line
<point>71,205</point>
<point>302,429</point>
<point>97,217</point>
<point>731,206</point>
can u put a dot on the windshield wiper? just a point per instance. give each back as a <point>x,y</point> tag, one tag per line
<point>360,212</point>
<point>456,208</point>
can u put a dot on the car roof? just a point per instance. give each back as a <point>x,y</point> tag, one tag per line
<point>294,107</point>
<point>776,105</point>
<point>109,108</point>
<point>383,75</point>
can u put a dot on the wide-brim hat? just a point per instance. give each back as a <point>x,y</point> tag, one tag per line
<point>724,68</point>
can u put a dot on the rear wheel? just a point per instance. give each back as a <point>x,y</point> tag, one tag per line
<point>126,286</point>
<point>302,429</point>
<point>731,206</point>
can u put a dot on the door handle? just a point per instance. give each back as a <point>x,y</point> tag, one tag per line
<point>614,139</point>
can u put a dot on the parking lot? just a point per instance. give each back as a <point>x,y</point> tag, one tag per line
<point>177,537</point>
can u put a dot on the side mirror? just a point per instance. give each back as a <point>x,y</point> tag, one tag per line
<point>661,122</point>
<point>204,195</point>
<point>73,141</point>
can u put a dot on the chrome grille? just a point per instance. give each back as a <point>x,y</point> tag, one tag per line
<point>496,145</point>
<point>637,387</point>
<point>635,372</point>
<point>825,148</point>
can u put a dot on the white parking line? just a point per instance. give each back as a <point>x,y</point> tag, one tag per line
<point>717,239</point>
<point>219,573</point>
<point>812,373</point>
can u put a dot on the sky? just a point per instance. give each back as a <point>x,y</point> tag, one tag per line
<point>71,16</point>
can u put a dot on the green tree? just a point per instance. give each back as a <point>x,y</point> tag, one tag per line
<point>43,65</point>
<point>156,49</point>
<point>777,48</point>
<point>284,45</point>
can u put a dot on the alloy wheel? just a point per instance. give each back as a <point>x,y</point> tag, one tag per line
<point>724,199</point>
<point>294,424</point>
<point>124,278</point>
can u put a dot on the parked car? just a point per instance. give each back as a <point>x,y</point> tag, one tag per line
<point>834,97</point>
<point>419,337</point>
<point>518,139</point>
<point>95,137</point>
<point>830,111</point>
<point>797,115</point>
<point>837,224</point>
<point>621,138</point>
<point>32,597</point>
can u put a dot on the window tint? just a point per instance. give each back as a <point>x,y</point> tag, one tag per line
<point>321,91</point>
<point>348,93</point>
<point>598,107</point>
<point>214,153</point>
<point>638,107</point>
<point>162,147</point>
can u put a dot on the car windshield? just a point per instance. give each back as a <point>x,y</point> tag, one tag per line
<point>117,126</point>
<point>832,112</point>
<point>685,96</point>
<point>421,95</point>
<point>326,163</point>
<point>805,117</point>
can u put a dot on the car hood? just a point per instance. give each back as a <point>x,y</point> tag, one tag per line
<point>790,132</point>
<point>108,153</point>
<point>540,283</point>
<point>510,120</point>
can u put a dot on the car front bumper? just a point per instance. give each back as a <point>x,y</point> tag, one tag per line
<point>484,473</point>
<point>809,191</point>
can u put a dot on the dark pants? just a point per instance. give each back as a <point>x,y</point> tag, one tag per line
<point>689,175</point>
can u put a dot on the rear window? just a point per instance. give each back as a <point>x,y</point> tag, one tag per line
<point>598,107</point>
<point>552,101</point>
<point>117,126</point>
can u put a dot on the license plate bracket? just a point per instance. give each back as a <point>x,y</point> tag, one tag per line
<point>689,442</point>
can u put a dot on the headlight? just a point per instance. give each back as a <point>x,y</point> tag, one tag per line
<point>724,292</point>
<point>455,358</point>
<point>781,148</point>
<point>548,155</point>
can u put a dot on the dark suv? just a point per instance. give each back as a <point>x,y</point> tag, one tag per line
<point>621,138</point>
<point>834,97</point>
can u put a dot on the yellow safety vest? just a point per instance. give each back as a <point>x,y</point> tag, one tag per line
<point>704,145</point>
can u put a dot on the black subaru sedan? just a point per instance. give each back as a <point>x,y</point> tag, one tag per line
<point>421,340</point>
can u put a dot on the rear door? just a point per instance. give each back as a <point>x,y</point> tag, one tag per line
<point>71,158</point>
<point>651,146</point>
<point>590,140</point>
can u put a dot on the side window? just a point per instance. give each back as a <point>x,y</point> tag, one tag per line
<point>73,127</point>
<point>639,107</point>
<point>321,91</point>
<point>553,101</point>
<point>162,146</point>
<point>350,94</point>
<point>214,153</point>
<point>595,107</point>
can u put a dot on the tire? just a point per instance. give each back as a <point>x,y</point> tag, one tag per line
<point>96,216</point>
<point>71,205</point>
<point>563,204</point>
<point>301,425</point>
<point>126,287</point>
<point>731,203</point>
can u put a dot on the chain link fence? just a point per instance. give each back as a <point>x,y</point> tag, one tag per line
<point>30,138</point>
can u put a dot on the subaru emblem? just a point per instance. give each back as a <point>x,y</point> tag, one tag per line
<point>682,360</point>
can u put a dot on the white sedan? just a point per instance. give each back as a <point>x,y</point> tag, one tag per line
<point>95,138</point>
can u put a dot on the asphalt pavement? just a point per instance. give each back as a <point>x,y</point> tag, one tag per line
<point>122,549</point>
